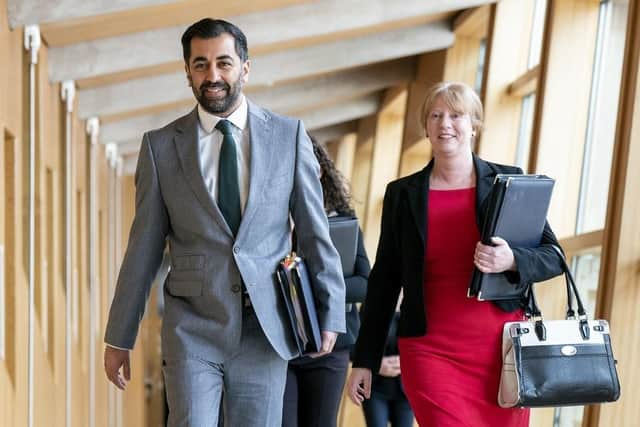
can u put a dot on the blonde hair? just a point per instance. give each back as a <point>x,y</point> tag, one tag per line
<point>459,97</point>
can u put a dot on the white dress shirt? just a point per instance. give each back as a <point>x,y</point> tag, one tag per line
<point>210,142</point>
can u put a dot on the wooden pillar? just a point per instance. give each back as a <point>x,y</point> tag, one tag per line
<point>562,106</point>
<point>619,293</point>
<point>385,160</point>
<point>560,123</point>
<point>345,150</point>
<point>133,398</point>
<point>361,173</point>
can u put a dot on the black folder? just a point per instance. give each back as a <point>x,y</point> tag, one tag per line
<point>516,212</point>
<point>344,234</point>
<point>299,301</point>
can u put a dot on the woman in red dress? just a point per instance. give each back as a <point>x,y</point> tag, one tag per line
<point>450,345</point>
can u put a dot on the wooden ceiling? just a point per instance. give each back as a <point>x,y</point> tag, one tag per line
<point>326,61</point>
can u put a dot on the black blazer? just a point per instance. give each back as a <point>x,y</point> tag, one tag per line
<point>400,258</point>
<point>355,292</point>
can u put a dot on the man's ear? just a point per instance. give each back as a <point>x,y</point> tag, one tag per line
<point>246,67</point>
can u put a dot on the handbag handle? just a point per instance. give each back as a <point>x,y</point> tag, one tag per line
<point>571,289</point>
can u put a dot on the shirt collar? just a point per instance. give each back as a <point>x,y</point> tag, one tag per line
<point>208,121</point>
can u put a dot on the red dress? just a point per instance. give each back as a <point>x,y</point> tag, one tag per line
<point>451,374</point>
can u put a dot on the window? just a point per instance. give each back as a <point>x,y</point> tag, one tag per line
<point>603,111</point>
<point>523,147</point>
<point>596,163</point>
<point>524,133</point>
<point>537,31</point>
<point>482,55</point>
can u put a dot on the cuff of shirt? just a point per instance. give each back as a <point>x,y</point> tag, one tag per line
<point>116,347</point>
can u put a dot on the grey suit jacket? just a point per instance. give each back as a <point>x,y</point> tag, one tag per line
<point>202,312</point>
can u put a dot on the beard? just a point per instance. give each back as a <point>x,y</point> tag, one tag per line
<point>219,106</point>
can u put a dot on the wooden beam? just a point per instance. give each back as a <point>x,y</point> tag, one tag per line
<point>472,22</point>
<point>271,69</point>
<point>574,245</point>
<point>331,133</point>
<point>99,25</point>
<point>86,61</point>
<point>526,84</point>
<point>340,113</point>
<point>297,96</point>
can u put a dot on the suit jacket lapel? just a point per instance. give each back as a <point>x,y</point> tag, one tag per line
<point>485,175</point>
<point>262,151</point>
<point>186,142</point>
<point>417,191</point>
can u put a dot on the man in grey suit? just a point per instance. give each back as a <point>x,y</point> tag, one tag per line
<point>220,186</point>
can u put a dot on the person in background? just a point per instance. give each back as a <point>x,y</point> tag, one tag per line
<point>450,345</point>
<point>388,403</point>
<point>314,385</point>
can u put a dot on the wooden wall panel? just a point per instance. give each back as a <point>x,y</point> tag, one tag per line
<point>134,397</point>
<point>507,57</point>
<point>362,167</point>
<point>385,161</point>
<point>13,369</point>
<point>559,128</point>
<point>619,291</point>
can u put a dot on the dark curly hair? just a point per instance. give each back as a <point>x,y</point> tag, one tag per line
<point>334,186</point>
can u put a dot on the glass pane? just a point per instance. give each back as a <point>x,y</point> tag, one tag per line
<point>480,70</point>
<point>524,133</point>
<point>603,111</point>
<point>586,271</point>
<point>537,30</point>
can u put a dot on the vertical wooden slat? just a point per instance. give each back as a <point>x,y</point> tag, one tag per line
<point>619,290</point>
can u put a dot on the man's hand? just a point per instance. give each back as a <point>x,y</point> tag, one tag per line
<point>494,259</point>
<point>115,358</point>
<point>359,385</point>
<point>390,366</point>
<point>328,341</point>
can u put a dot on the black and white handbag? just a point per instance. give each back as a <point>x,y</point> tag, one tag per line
<point>559,362</point>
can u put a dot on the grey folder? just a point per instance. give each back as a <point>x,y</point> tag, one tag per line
<point>344,234</point>
<point>516,212</point>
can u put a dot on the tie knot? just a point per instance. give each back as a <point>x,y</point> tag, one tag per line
<point>224,126</point>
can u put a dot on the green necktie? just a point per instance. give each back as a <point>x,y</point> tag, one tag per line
<point>228,190</point>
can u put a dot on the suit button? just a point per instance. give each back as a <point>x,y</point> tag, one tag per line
<point>235,288</point>
<point>236,249</point>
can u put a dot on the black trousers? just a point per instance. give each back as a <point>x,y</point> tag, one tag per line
<point>313,391</point>
<point>380,410</point>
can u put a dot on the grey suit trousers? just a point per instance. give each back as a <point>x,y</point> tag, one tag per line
<point>253,379</point>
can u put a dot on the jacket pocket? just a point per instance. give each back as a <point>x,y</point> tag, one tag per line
<point>188,262</point>
<point>183,288</point>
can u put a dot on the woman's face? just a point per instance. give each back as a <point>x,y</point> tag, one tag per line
<point>450,132</point>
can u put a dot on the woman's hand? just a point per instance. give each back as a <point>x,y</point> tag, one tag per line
<point>494,259</point>
<point>390,366</point>
<point>359,385</point>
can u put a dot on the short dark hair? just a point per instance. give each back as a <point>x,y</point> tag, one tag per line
<point>208,28</point>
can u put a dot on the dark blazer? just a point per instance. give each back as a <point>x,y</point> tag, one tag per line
<point>400,260</point>
<point>356,290</point>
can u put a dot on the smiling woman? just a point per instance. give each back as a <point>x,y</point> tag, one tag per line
<point>435,214</point>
